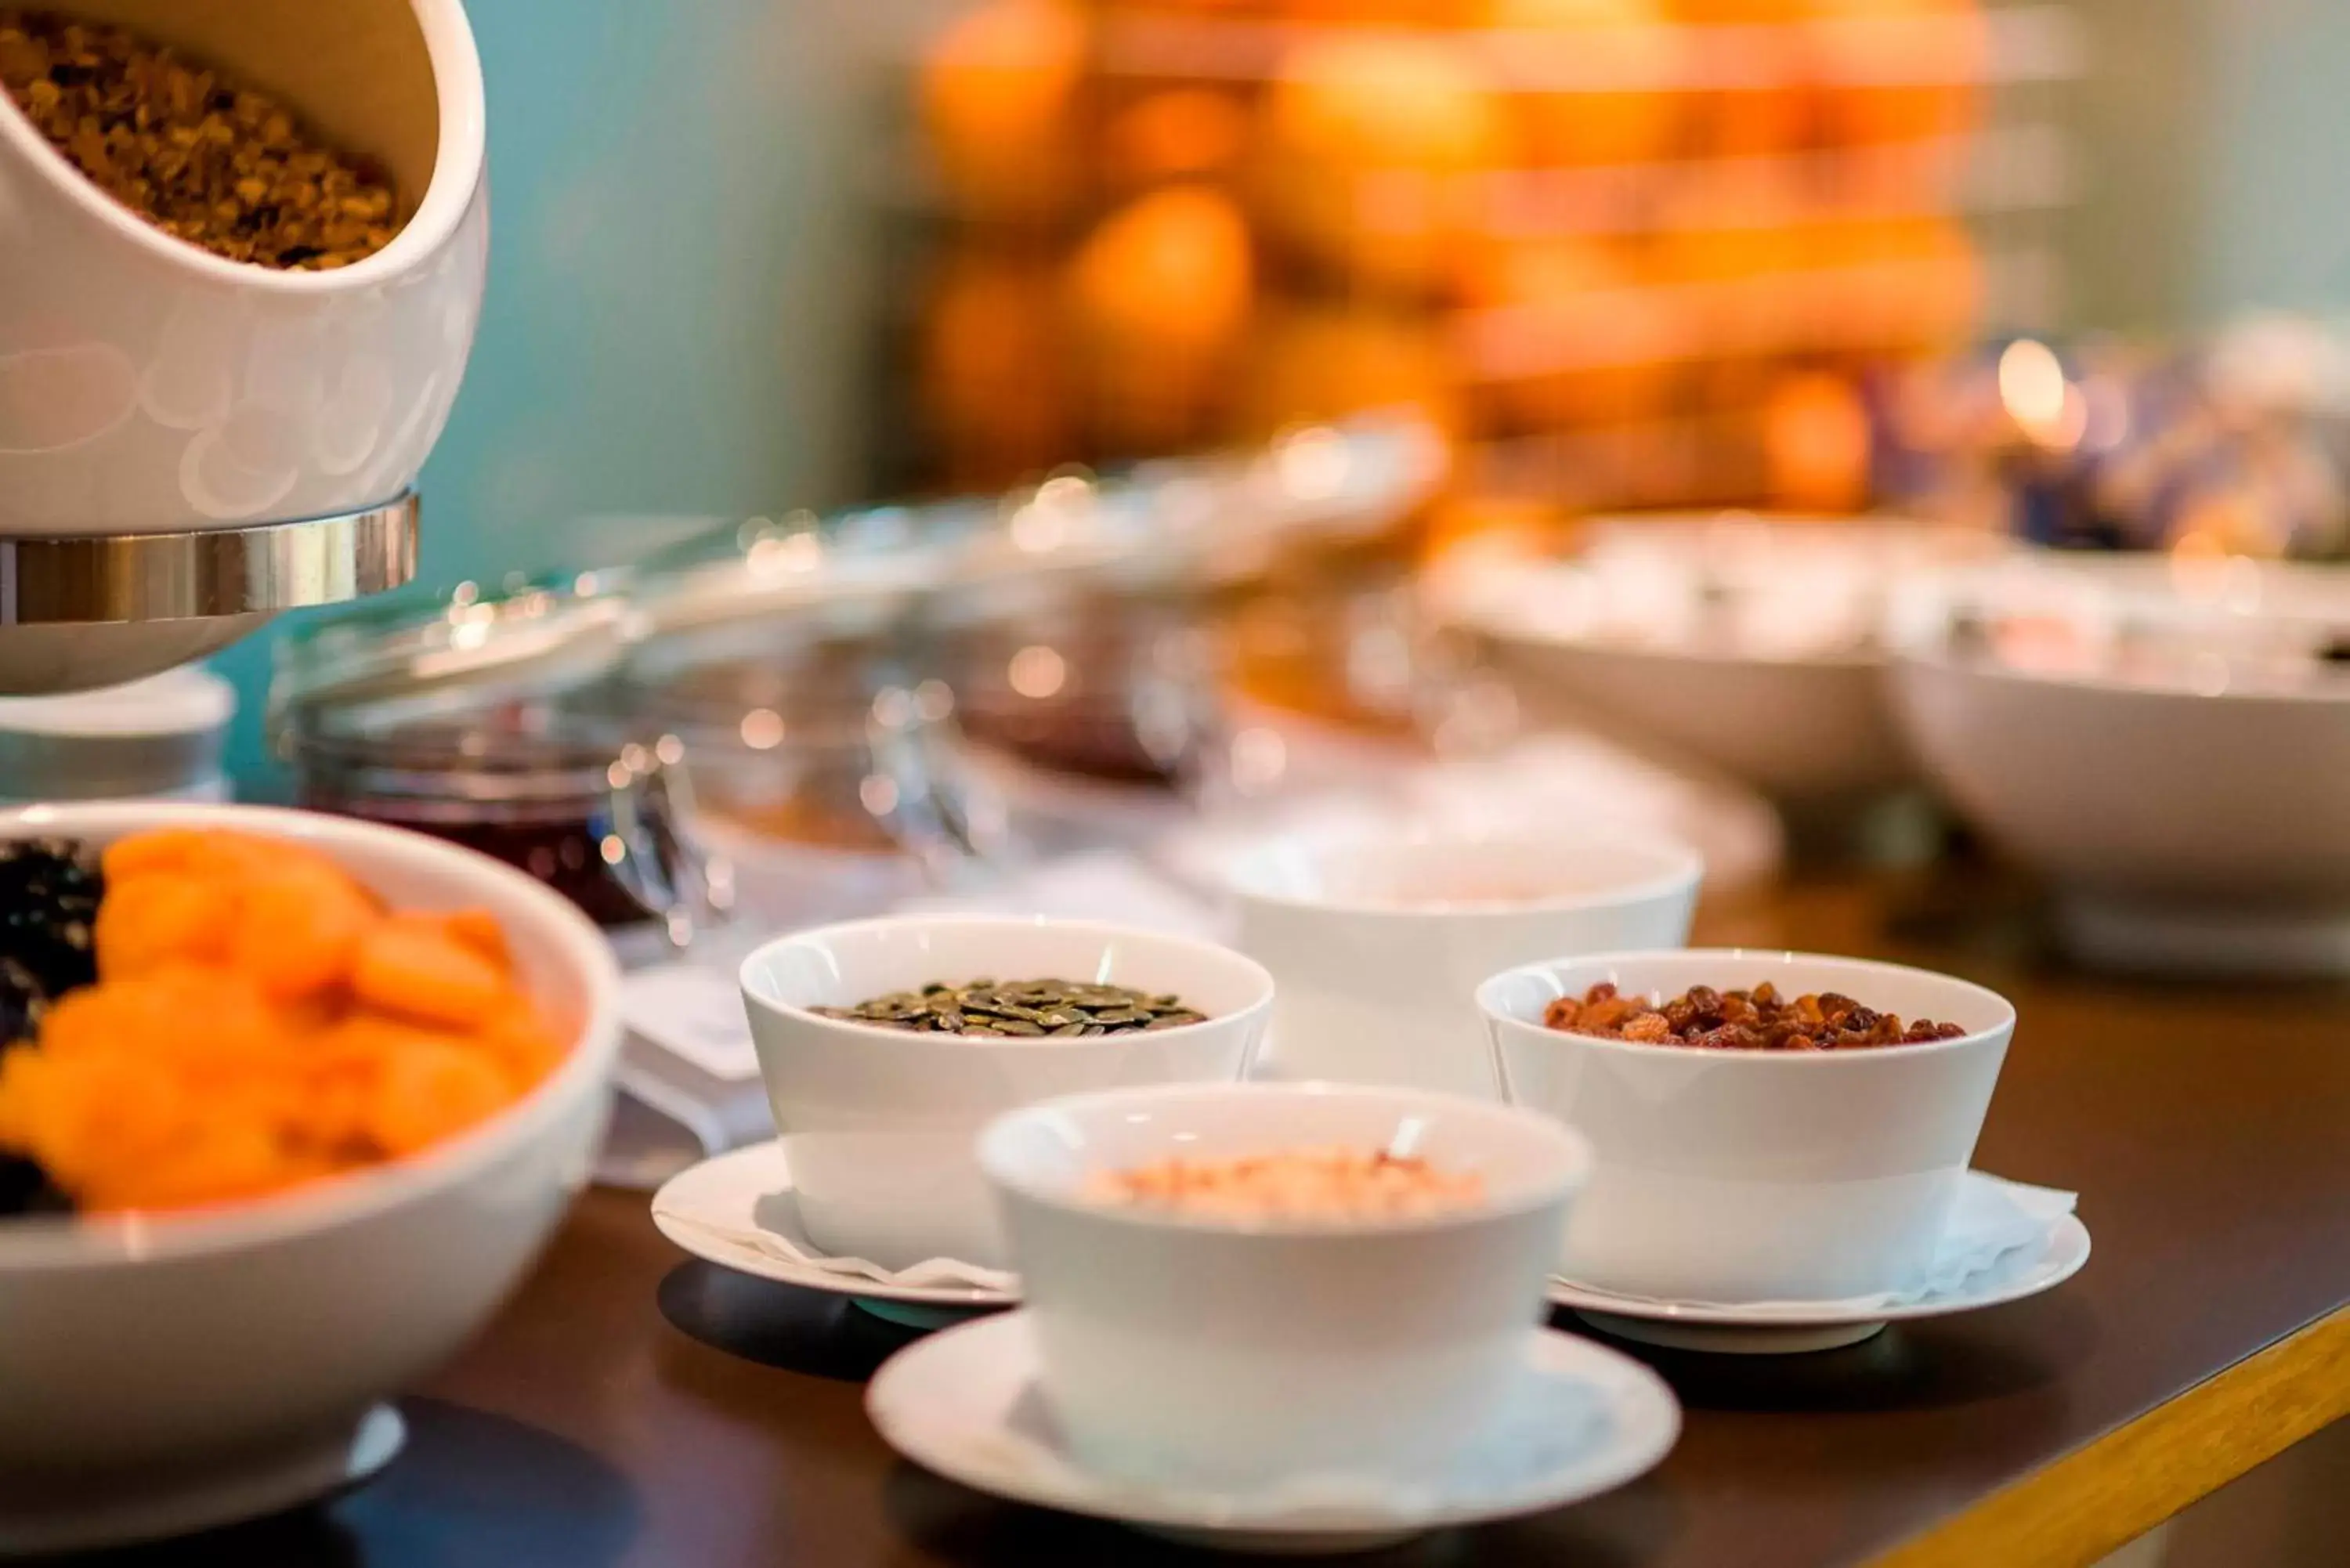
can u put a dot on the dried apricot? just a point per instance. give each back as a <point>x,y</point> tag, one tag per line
<point>475,930</point>
<point>152,920</point>
<point>297,927</point>
<point>430,1091</point>
<point>260,1021</point>
<point>426,975</point>
<point>188,852</point>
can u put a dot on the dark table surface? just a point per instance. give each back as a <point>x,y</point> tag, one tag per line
<point>634,1406</point>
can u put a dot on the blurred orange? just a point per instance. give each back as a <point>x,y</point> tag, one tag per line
<point>997,91</point>
<point>1389,13</point>
<point>1160,294</point>
<point>1569,334</point>
<point>1322,362</point>
<point>1897,70</point>
<point>1899,284</point>
<point>1773,114</point>
<point>1534,526</point>
<point>1733,242</point>
<point>1815,443</point>
<point>993,370</point>
<point>1623,41</point>
<point>1368,143</point>
<point>1179,133</point>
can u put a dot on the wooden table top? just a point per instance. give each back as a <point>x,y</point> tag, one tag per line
<point>632,1407</point>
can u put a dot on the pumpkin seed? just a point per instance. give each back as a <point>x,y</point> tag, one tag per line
<point>1020,1008</point>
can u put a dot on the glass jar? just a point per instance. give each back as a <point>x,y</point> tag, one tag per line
<point>478,721</point>
<point>825,767</point>
<point>1119,691</point>
<point>1095,713</point>
<point>1357,655</point>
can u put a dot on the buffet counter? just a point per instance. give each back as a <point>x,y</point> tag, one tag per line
<point>633,1407</point>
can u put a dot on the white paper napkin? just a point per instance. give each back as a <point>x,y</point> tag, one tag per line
<point>1992,1220</point>
<point>931,1274</point>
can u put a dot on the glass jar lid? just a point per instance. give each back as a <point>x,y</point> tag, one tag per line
<point>1195,523</point>
<point>851,573</point>
<point>421,656</point>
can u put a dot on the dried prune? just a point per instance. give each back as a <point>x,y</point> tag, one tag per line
<point>49,891</point>
<point>26,1189</point>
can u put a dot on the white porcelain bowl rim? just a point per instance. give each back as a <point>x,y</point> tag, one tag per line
<point>1682,531</point>
<point>38,1244</point>
<point>457,170</point>
<point>753,977</point>
<point>1686,869</point>
<point>1487,1003</point>
<point>1925,645</point>
<point>1860,659</point>
<point>1574,1151</point>
<point>2324,694</point>
<point>1684,526</point>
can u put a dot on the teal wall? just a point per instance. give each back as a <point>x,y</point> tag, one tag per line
<point>2276,231</point>
<point>673,308</point>
<point>2213,168</point>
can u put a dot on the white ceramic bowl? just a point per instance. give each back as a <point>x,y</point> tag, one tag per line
<point>1173,1347</point>
<point>1745,1176</point>
<point>880,1122</point>
<point>1379,942</point>
<point>217,1349</point>
<point>2179,783</point>
<point>1748,645</point>
<point>149,385</point>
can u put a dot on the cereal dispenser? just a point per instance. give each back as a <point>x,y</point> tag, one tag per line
<point>190,443</point>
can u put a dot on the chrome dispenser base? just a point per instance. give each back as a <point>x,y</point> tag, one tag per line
<point>100,609</point>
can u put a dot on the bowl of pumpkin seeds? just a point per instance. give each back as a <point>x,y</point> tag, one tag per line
<point>885,1045</point>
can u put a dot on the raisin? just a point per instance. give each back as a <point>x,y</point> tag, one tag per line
<point>1741,1021</point>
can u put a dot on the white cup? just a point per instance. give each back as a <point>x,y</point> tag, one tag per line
<point>1746,1175</point>
<point>878,1123</point>
<point>1176,1347</point>
<point>1377,944</point>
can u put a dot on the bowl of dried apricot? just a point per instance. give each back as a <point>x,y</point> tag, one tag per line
<point>287,1103</point>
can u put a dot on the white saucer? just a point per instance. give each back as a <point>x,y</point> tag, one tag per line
<point>713,1209</point>
<point>1783,1327</point>
<point>154,1508</point>
<point>965,1404</point>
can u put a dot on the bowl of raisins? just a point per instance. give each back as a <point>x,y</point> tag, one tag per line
<point>1767,1126</point>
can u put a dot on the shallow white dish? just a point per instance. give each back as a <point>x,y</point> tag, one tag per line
<point>1784,1327</point>
<point>1583,1420</point>
<point>882,1121</point>
<point>1378,941</point>
<point>718,1210</point>
<point>2160,750</point>
<point>1749,644</point>
<point>1755,1175</point>
<point>156,1368</point>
